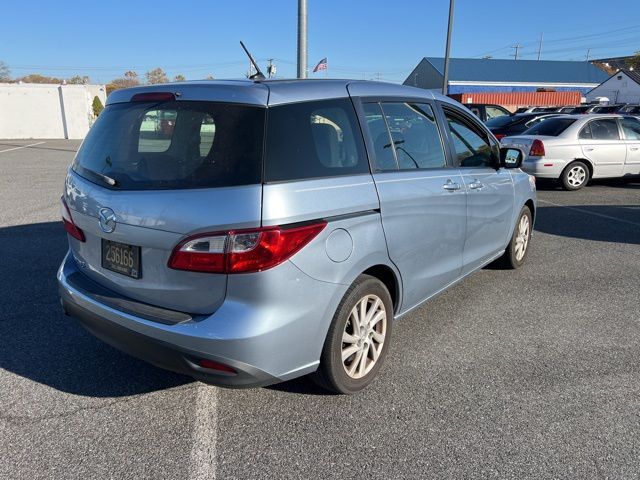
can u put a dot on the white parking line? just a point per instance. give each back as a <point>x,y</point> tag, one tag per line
<point>24,146</point>
<point>609,217</point>
<point>203,450</point>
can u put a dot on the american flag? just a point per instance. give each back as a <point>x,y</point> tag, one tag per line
<point>322,65</point>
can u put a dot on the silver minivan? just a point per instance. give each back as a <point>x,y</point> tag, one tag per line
<point>249,232</point>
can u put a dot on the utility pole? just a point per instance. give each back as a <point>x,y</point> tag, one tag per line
<point>445,80</point>
<point>517,47</point>
<point>588,54</point>
<point>302,38</point>
<point>540,46</point>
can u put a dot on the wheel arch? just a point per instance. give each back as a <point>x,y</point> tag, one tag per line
<point>583,160</point>
<point>391,280</point>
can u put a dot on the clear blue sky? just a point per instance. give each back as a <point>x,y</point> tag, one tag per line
<point>360,38</point>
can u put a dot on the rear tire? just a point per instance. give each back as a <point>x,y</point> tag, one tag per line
<point>358,338</point>
<point>575,176</point>
<point>516,252</point>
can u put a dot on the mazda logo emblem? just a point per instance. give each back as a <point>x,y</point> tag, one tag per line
<point>107,220</point>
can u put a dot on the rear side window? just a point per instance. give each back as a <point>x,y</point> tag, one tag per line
<point>173,145</point>
<point>631,127</point>
<point>551,127</point>
<point>313,140</point>
<point>604,129</point>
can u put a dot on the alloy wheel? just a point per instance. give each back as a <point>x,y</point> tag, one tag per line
<point>363,336</point>
<point>522,237</point>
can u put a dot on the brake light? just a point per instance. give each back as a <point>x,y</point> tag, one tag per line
<point>499,136</point>
<point>69,225</point>
<point>537,149</point>
<point>242,251</point>
<point>153,97</point>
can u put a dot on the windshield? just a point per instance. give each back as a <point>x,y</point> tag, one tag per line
<point>551,127</point>
<point>173,145</point>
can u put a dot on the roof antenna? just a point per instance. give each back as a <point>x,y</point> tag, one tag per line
<point>258,75</point>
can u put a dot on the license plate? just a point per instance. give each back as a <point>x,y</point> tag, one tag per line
<point>121,258</point>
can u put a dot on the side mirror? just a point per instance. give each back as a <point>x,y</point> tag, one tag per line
<point>511,157</point>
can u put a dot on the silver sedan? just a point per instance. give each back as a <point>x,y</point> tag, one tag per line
<point>577,148</point>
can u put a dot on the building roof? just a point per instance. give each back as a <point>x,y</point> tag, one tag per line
<point>530,71</point>
<point>633,75</point>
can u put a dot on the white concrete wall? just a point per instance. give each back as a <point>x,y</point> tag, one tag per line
<point>623,90</point>
<point>32,110</point>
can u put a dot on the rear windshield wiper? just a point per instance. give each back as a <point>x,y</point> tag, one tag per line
<point>112,182</point>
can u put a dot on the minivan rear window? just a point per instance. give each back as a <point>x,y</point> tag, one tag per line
<point>173,145</point>
<point>313,140</point>
<point>551,127</point>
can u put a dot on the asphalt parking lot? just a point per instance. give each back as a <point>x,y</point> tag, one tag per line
<point>511,374</point>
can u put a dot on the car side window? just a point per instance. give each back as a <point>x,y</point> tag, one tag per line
<point>631,128</point>
<point>493,112</point>
<point>472,148</point>
<point>313,140</point>
<point>416,138</point>
<point>384,160</point>
<point>602,129</point>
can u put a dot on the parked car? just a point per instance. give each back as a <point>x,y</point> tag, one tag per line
<point>515,124</point>
<point>580,109</point>
<point>286,242</point>
<point>487,111</point>
<point>630,110</point>
<point>576,148</point>
<point>566,110</point>
<point>604,109</point>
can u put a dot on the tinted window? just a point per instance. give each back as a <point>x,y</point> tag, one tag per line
<point>550,126</point>
<point>472,148</point>
<point>313,140</point>
<point>416,138</point>
<point>604,129</point>
<point>384,158</point>
<point>137,146</point>
<point>631,128</point>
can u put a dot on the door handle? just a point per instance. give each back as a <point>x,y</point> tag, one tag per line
<point>589,149</point>
<point>633,149</point>
<point>451,186</point>
<point>475,185</point>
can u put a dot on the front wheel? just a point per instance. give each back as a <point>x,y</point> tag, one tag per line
<point>518,247</point>
<point>575,176</point>
<point>358,338</point>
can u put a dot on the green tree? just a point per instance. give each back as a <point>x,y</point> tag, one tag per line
<point>179,78</point>
<point>156,75</point>
<point>5,73</point>
<point>634,61</point>
<point>97,106</point>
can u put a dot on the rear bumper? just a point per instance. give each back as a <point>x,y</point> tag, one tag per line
<point>544,167</point>
<point>267,329</point>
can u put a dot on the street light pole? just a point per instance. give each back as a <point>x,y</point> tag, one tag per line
<point>302,38</point>
<point>445,81</point>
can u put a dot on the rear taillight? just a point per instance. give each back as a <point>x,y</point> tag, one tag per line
<point>69,224</point>
<point>242,251</point>
<point>537,149</point>
<point>499,136</point>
